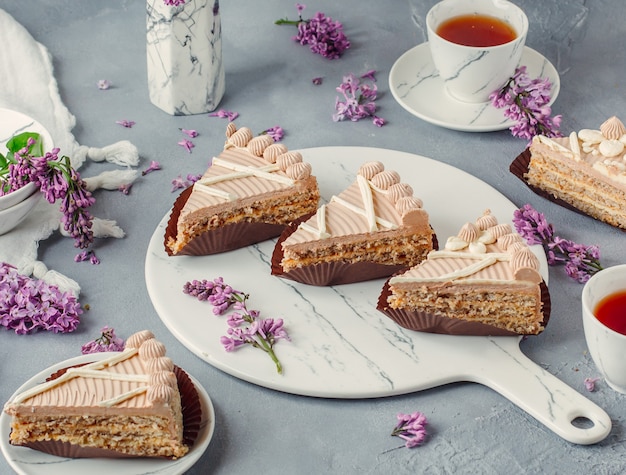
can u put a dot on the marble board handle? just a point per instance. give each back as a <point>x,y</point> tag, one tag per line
<point>542,395</point>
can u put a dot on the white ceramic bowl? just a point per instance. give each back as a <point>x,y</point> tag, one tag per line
<point>11,124</point>
<point>11,217</point>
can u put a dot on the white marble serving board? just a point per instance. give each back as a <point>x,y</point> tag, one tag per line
<point>341,346</point>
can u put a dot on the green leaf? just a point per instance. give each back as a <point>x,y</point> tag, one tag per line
<point>19,141</point>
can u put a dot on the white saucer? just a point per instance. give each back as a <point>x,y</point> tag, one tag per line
<point>415,84</point>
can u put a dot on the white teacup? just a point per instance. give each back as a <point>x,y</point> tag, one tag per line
<point>606,346</point>
<point>471,73</point>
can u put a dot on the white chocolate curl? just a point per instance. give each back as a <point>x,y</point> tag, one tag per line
<point>369,169</point>
<point>611,148</point>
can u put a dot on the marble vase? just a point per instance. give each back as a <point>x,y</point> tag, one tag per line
<point>184,52</point>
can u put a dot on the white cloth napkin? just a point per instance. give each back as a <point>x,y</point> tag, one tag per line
<point>29,86</point>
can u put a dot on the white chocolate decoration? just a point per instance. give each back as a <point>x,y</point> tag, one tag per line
<point>611,148</point>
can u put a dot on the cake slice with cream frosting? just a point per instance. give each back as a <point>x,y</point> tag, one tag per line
<point>585,171</point>
<point>253,189</point>
<point>127,404</point>
<point>370,230</point>
<point>486,281</point>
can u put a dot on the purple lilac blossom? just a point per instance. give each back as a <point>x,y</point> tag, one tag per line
<point>525,101</point>
<point>28,305</point>
<point>186,144</point>
<point>359,99</point>
<point>154,166</point>
<point>107,341</point>
<point>190,133</point>
<point>590,384</point>
<point>103,84</point>
<point>277,133</point>
<point>411,428</point>
<point>580,261</point>
<point>224,114</point>
<point>125,123</point>
<point>245,327</point>
<point>57,180</point>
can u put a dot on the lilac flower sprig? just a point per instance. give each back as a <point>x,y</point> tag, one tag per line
<point>411,428</point>
<point>28,305</point>
<point>525,101</point>
<point>580,261</point>
<point>107,341</point>
<point>324,35</point>
<point>277,133</point>
<point>56,179</point>
<point>359,99</point>
<point>245,327</point>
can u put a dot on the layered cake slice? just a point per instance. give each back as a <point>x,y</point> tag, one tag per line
<point>485,281</point>
<point>251,191</point>
<point>585,171</point>
<point>370,230</point>
<point>127,404</point>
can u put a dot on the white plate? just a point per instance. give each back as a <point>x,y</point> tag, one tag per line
<point>341,346</point>
<point>415,84</point>
<point>32,462</point>
<point>11,124</point>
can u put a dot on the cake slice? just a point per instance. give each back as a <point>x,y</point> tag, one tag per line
<point>485,281</point>
<point>251,191</point>
<point>585,171</point>
<point>125,405</point>
<point>370,230</point>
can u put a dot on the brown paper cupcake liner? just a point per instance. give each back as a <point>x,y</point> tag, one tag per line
<point>223,239</point>
<point>331,273</point>
<point>431,323</point>
<point>192,422</point>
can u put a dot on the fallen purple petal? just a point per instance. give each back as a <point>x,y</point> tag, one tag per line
<point>125,123</point>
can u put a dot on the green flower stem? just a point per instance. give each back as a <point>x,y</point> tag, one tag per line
<point>286,21</point>
<point>265,346</point>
